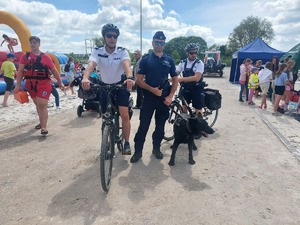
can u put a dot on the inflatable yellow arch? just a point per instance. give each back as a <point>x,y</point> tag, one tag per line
<point>19,28</point>
<point>56,62</point>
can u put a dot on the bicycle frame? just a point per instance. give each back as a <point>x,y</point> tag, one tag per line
<point>181,98</point>
<point>206,112</point>
<point>176,109</point>
<point>111,116</point>
<point>110,135</point>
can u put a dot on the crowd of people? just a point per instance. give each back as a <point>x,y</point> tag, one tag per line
<point>274,80</point>
<point>154,77</point>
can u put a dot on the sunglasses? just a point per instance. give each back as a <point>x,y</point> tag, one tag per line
<point>159,43</point>
<point>193,53</point>
<point>111,35</point>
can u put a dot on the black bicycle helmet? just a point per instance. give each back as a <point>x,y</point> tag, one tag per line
<point>110,27</point>
<point>191,46</point>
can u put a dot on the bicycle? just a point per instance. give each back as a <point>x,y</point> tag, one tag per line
<point>176,109</point>
<point>111,132</point>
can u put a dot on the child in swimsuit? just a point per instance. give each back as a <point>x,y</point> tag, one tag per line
<point>11,42</point>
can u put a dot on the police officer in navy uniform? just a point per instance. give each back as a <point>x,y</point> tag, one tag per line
<point>192,80</point>
<point>158,93</point>
<point>113,62</point>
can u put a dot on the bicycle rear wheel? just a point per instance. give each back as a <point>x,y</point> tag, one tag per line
<point>175,108</point>
<point>210,116</point>
<point>106,156</point>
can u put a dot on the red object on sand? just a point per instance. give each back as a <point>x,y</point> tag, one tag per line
<point>21,96</point>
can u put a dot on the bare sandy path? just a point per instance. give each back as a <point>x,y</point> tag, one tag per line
<point>243,175</point>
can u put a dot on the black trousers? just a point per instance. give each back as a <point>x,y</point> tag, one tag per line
<point>139,97</point>
<point>150,105</point>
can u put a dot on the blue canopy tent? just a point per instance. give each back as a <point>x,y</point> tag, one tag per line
<point>256,50</point>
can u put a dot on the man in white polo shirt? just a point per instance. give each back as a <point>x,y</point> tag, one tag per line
<point>113,62</point>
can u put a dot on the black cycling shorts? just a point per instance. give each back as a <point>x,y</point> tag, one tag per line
<point>196,96</point>
<point>121,97</point>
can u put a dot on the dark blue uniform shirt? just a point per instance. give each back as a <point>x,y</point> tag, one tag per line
<point>156,70</point>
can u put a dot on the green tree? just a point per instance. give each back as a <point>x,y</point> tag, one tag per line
<point>226,55</point>
<point>224,51</point>
<point>98,41</point>
<point>175,47</point>
<point>176,56</point>
<point>248,30</point>
<point>214,47</point>
<point>73,55</point>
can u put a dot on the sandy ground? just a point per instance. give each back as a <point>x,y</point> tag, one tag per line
<point>244,174</point>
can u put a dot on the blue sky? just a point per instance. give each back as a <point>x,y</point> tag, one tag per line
<point>63,25</point>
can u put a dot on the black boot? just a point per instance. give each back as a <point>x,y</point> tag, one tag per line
<point>136,157</point>
<point>157,153</point>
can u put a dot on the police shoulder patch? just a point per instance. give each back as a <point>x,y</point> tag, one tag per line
<point>120,48</point>
<point>99,47</point>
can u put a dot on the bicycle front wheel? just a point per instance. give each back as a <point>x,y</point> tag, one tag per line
<point>210,116</point>
<point>175,109</point>
<point>118,133</point>
<point>106,156</point>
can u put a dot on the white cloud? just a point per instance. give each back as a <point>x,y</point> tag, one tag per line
<point>173,13</point>
<point>65,30</point>
<point>285,19</point>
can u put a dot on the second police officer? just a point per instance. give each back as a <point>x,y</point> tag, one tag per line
<point>158,93</point>
<point>192,80</point>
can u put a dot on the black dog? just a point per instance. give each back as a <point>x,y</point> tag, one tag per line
<point>185,128</point>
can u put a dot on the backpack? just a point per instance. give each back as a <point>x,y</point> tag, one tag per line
<point>67,67</point>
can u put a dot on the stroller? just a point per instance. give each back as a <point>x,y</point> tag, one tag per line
<point>90,99</point>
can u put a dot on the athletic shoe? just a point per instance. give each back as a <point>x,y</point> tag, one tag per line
<point>126,150</point>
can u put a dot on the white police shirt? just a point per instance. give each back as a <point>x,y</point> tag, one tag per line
<point>199,66</point>
<point>110,65</point>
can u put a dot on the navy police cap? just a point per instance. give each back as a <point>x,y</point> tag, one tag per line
<point>159,35</point>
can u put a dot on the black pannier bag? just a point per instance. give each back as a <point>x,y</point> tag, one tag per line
<point>212,99</point>
<point>83,94</point>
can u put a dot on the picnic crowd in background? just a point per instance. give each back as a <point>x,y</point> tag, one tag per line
<point>275,81</point>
